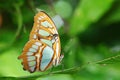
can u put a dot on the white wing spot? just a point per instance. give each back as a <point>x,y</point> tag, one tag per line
<point>35,46</point>
<point>46,24</point>
<point>32,50</point>
<point>29,53</point>
<point>31,58</point>
<point>39,18</point>
<point>43,33</point>
<point>31,63</point>
<point>38,43</point>
<point>42,16</point>
<point>34,36</point>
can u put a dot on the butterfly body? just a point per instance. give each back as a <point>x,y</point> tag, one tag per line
<point>43,49</point>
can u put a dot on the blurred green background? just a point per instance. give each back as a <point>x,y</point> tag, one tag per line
<point>89,31</point>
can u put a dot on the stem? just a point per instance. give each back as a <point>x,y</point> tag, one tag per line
<point>65,71</point>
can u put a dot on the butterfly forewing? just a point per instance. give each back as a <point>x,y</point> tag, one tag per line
<point>43,48</point>
<point>43,27</point>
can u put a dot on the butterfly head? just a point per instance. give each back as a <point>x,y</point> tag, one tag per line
<point>54,38</point>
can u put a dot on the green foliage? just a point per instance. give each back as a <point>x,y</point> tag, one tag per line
<point>88,12</point>
<point>114,16</point>
<point>58,77</point>
<point>90,39</point>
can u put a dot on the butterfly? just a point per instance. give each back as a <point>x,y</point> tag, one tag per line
<point>43,49</point>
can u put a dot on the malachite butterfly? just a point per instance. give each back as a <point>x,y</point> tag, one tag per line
<point>43,49</point>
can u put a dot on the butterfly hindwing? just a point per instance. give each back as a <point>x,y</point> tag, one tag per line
<point>28,56</point>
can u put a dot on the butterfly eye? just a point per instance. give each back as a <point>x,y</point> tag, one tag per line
<point>55,35</point>
<point>43,48</point>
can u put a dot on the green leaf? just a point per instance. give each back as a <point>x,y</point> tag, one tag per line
<point>8,78</point>
<point>111,60</point>
<point>10,65</point>
<point>87,12</point>
<point>16,78</point>
<point>57,77</point>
